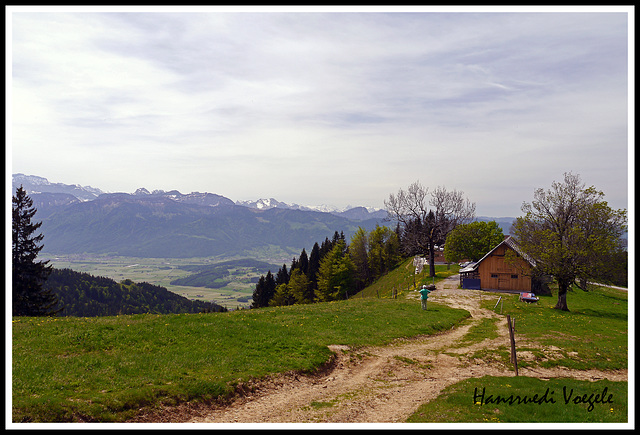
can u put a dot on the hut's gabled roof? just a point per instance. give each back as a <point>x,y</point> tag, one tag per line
<point>510,242</point>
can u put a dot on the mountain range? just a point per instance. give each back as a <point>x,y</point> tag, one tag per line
<point>82,219</point>
<point>38,185</point>
<point>77,219</point>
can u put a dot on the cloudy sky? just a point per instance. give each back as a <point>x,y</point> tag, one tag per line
<point>318,106</point>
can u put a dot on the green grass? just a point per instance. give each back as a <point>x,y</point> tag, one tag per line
<point>592,335</point>
<point>402,278</point>
<point>486,329</point>
<point>557,401</point>
<point>104,369</point>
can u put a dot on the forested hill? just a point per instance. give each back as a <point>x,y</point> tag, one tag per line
<point>84,295</point>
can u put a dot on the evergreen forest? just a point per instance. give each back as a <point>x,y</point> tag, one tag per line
<point>334,270</point>
<point>84,295</point>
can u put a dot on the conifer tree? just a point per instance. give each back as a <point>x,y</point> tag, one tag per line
<point>270,287</point>
<point>314,265</point>
<point>303,262</point>
<point>28,275</point>
<point>282,277</point>
<point>259,294</point>
<point>325,247</point>
<point>282,296</point>
<point>264,291</point>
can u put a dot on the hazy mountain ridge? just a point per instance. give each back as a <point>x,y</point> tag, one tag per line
<point>159,226</point>
<point>503,222</point>
<point>172,224</point>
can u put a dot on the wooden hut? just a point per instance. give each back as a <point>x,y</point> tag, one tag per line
<point>498,270</point>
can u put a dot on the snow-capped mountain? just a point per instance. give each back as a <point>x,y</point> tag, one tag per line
<point>265,204</point>
<point>208,199</point>
<point>357,213</point>
<point>34,184</point>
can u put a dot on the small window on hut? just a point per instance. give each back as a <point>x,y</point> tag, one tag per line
<point>514,276</point>
<point>494,275</point>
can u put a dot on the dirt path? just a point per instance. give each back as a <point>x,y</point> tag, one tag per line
<point>379,384</point>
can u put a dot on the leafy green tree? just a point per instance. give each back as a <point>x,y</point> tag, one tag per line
<point>300,288</point>
<point>570,232</point>
<point>472,241</point>
<point>359,253</point>
<point>282,296</point>
<point>336,274</point>
<point>383,251</point>
<point>28,274</point>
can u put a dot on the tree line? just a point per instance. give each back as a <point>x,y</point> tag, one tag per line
<point>334,270</point>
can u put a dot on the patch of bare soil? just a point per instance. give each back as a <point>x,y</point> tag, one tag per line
<point>377,384</point>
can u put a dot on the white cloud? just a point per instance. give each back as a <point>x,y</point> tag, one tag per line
<point>342,107</point>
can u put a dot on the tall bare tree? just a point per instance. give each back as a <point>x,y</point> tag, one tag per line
<point>428,217</point>
<point>571,232</point>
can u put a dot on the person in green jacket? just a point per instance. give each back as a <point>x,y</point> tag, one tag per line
<point>424,295</point>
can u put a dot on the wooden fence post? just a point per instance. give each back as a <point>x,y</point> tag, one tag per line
<point>514,358</point>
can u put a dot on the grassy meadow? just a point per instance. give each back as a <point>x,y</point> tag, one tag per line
<point>592,335</point>
<point>523,399</point>
<point>404,280</point>
<point>105,369</point>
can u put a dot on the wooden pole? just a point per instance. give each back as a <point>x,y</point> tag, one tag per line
<point>514,358</point>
